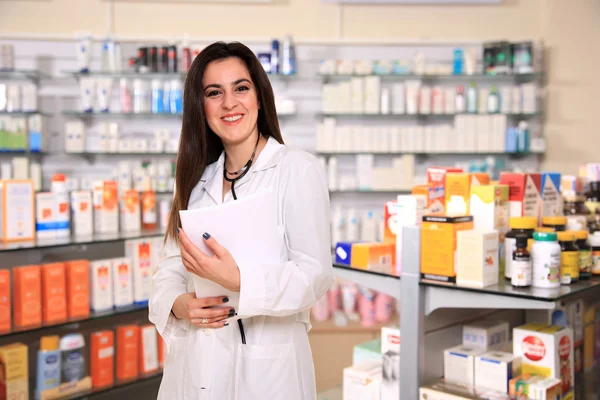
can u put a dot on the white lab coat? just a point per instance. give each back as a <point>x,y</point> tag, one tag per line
<point>276,363</point>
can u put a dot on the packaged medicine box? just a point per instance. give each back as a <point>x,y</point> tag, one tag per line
<point>14,383</point>
<point>458,191</point>
<point>362,381</point>
<point>409,212</point>
<point>535,387</point>
<point>148,349</point>
<point>82,212</point>
<point>78,289</point>
<point>45,221</point>
<point>548,351</point>
<point>54,293</point>
<point>122,281</point>
<point>102,352</point>
<point>437,175</point>
<point>495,369</point>
<point>489,208</point>
<point>459,364</point>
<point>131,219</point>
<point>434,198</point>
<point>378,257</point>
<point>524,193</point>
<point>438,245</point>
<point>5,301</point>
<point>106,207</point>
<point>552,202</point>
<point>477,258</point>
<point>17,210</point>
<point>343,252</point>
<point>27,292</point>
<point>589,337</point>
<point>367,352</point>
<point>442,390</point>
<point>128,351</point>
<point>101,285</point>
<point>486,335</point>
<point>140,252</point>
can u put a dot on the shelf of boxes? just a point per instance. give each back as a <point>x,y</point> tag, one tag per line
<point>487,77</point>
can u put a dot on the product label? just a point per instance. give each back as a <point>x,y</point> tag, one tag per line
<point>585,261</point>
<point>521,272</point>
<point>596,262</point>
<point>569,267</point>
<point>531,199</point>
<point>510,245</point>
<point>593,206</point>
<point>551,199</point>
<point>546,267</point>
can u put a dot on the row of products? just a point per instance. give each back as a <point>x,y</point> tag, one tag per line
<point>109,139</point>
<point>138,96</point>
<point>20,134</point>
<point>281,60</point>
<point>53,293</point>
<point>60,213</point>
<point>469,134</point>
<point>18,97</point>
<point>351,225</point>
<point>62,362</point>
<point>21,168</point>
<point>398,176</point>
<point>499,58</point>
<point>346,301</point>
<point>368,96</point>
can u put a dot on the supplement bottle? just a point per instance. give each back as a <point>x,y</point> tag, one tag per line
<point>545,254</point>
<point>558,223</point>
<point>585,254</point>
<point>594,242</point>
<point>569,258</point>
<point>521,264</point>
<point>519,226</point>
<point>592,203</point>
<point>576,212</point>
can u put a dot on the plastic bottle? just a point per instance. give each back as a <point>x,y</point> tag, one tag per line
<point>585,254</point>
<point>176,97</point>
<point>62,209</point>
<point>288,57</point>
<point>545,254</point>
<point>275,57</point>
<point>104,56</point>
<point>186,57</point>
<point>521,264</point>
<point>459,100</point>
<point>569,258</point>
<point>523,137</point>
<point>332,173</point>
<point>124,95</point>
<point>384,308</point>
<point>352,231</point>
<point>368,231</point>
<point>366,307</point>
<point>594,241</point>
<point>493,101</point>
<point>338,225</point>
<point>519,226</point>
<point>149,214</point>
<point>157,97</point>
<point>472,99</point>
<point>72,358</point>
<point>48,364</point>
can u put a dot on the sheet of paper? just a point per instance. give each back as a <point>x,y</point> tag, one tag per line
<point>247,227</point>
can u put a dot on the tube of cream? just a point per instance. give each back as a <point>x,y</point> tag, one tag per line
<point>104,86</point>
<point>84,48</point>
<point>86,86</point>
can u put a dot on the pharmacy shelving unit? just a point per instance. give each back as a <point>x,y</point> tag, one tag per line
<point>32,75</point>
<point>419,298</point>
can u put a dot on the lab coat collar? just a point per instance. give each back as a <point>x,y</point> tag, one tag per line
<point>212,178</point>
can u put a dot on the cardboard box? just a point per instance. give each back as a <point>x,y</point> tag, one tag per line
<point>437,175</point>
<point>27,288</point>
<point>82,212</point>
<point>477,258</point>
<point>524,193</point>
<point>495,369</point>
<point>442,390</point>
<point>589,337</point>
<point>535,387</point>
<point>548,351</point>
<point>17,210</point>
<point>78,289</point>
<point>102,353</point>
<point>131,219</point>
<point>409,212</point>
<point>552,202</point>
<point>54,293</point>
<point>459,364</point>
<point>390,352</point>
<point>390,219</point>
<point>106,207</point>
<point>362,382</point>
<point>486,335</point>
<point>434,197</point>
<point>458,191</point>
<point>101,285</point>
<point>128,351</point>
<point>122,276</point>
<point>148,349</point>
<point>343,253</point>
<point>5,301</point>
<point>489,208</point>
<point>367,352</point>
<point>378,257</point>
<point>45,220</point>
<point>575,318</point>
<point>140,254</point>
<point>438,245</point>
<point>14,380</point>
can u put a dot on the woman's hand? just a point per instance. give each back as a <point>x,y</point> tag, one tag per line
<point>220,268</point>
<point>188,307</point>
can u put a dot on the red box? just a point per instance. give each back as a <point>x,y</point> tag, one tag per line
<point>437,175</point>
<point>102,358</point>
<point>524,193</point>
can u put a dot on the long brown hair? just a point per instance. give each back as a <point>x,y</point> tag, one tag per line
<point>199,146</point>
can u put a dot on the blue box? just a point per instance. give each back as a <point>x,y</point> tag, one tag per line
<point>343,253</point>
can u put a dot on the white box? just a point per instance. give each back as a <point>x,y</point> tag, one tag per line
<point>398,98</point>
<point>44,216</point>
<point>122,281</point>
<point>155,146</point>
<point>390,353</point>
<point>140,252</point>
<point>425,100</point>
<point>486,335</point>
<point>495,369</point>
<point>364,169</point>
<point>149,348</point>
<point>17,210</point>
<point>441,390</point>
<point>357,95</point>
<point>101,285</point>
<point>126,145</point>
<point>104,138</point>
<point>130,219</point>
<point>450,100</point>
<point>113,138</point>
<point>106,207</point>
<point>82,212</point>
<point>362,382</point>
<point>459,364</point>
<point>140,146</point>
<point>477,258</point>
<point>20,168</point>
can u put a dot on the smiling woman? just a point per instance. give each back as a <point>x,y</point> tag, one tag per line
<point>231,146</point>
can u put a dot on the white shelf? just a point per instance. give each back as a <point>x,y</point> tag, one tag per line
<point>387,284</point>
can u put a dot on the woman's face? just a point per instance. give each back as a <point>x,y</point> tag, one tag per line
<point>230,100</point>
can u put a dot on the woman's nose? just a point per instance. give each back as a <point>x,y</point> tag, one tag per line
<point>229,101</point>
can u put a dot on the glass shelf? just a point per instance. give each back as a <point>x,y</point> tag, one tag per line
<point>129,153</point>
<point>80,240</point>
<point>452,153</point>
<point>23,113</point>
<point>412,116</point>
<point>106,391</point>
<point>93,316</point>
<point>383,283</point>
<point>530,76</point>
<point>82,114</point>
<point>30,74</point>
<point>21,153</point>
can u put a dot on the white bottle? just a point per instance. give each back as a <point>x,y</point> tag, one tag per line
<point>472,99</point>
<point>353,228</point>
<point>545,255</point>
<point>332,173</point>
<point>385,101</point>
<point>338,226</point>
<point>62,209</point>
<point>368,231</point>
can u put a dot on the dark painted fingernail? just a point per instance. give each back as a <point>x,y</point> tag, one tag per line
<point>225,299</point>
<point>206,235</point>
<point>177,230</point>
<point>231,313</point>
<point>226,323</point>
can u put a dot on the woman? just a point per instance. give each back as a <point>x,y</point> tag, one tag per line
<point>231,147</point>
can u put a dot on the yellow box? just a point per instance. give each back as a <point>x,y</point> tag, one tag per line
<point>458,191</point>
<point>14,380</point>
<point>589,337</point>
<point>434,196</point>
<point>438,245</point>
<point>378,257</point>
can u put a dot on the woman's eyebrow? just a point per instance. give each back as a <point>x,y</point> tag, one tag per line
<point>218,86</point>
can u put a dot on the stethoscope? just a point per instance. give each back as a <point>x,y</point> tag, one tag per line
<point>237,176</point>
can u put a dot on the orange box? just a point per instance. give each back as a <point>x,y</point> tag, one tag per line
<point>390,215</point>
<point>5,296</point>
<point>54,296</point>
<point>162,350</point>
<point>434,196</point>
<point>480,178</point>
<point>78,289</point>
<point>458,191</point>
<point>102,350</point>
<point>148,349</point>
<point>437,175</point>
<point>27,292</point>
<point>128,351</point>
<point>378,257</point>
<point>438,245</point>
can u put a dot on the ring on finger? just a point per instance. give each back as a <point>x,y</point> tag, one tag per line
<point>204,321</point>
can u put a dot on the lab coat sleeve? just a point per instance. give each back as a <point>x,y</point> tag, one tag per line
<point>296,285</point>
<point>168,283</point>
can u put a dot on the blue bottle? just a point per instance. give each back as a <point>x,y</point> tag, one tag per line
<point>48,364</point>
<point>457,62</point>
<point>275,57</point>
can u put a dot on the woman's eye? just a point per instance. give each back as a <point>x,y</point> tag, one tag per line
<point>242,88</point>
<point>212,93</point>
